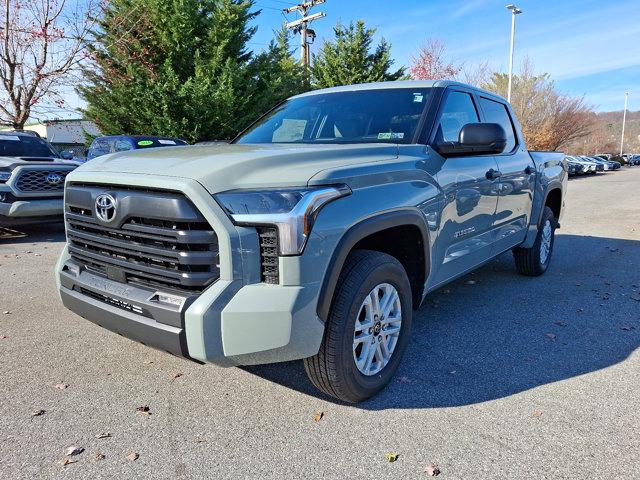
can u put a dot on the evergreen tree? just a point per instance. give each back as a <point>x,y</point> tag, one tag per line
<point>279,75</point>
<point>172,67</point>
<point>349,59</point>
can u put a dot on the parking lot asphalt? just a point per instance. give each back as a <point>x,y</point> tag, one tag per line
<point>506,377</point>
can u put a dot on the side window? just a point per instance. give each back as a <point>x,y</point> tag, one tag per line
<point>123,145</point>
<point>98,148</point>
<point>496,112</point>
<point>458,111</point>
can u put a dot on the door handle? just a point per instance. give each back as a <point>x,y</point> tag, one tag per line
<point>493,174</point>
<point>529,170</point>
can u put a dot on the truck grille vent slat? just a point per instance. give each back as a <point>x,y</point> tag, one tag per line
<point>269,255</point>
<point>143,248</point>
<point>38,181</point>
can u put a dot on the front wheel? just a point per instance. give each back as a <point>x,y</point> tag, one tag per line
<point>534,261</point>
<point>367,330</point>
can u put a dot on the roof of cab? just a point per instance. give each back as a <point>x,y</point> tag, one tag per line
<point>398,84</point>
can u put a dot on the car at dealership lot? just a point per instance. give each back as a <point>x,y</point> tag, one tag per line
<point>32,178</point>
<point>575,168</point>
<point>122,143</point>
<point>589,167</point>
<point>315,233</point>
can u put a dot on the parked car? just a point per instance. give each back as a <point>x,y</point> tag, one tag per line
<point>315,233</point>
<point>575,168</point>
<point>601,165</point>
<point>589,167</point>
<point>32,178</point>
<point>608,164</point>
<point>122,143</point>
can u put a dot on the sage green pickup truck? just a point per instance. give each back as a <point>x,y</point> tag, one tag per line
<point>315,234</point>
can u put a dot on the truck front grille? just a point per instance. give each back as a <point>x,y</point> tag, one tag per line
<point>157,239</point>
<point>48,180</point>
<point>269,255</point>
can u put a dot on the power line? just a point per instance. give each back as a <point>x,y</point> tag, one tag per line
<point>301,25</point>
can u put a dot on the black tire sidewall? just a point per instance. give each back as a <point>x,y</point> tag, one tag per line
<point>546,215</point>
<point>363,386</point>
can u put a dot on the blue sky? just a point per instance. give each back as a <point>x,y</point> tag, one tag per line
<point>589,47</point>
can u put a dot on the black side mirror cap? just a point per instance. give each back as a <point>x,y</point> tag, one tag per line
<point>476,139</point>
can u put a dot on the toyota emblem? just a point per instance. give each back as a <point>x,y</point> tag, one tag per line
<point>53,179</point>
<point>105,207</point>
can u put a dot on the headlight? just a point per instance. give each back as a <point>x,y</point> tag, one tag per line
<point>291,210</point>
<point>4,175</point>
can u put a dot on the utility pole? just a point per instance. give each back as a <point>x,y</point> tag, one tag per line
<point>624,119</point>
<point>300,26</point>
<point>514,11</point>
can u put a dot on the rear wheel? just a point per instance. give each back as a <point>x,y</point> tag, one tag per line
<point>534,261</point>
<point>367,330</point>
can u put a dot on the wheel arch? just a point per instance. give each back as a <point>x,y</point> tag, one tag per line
<point>369,233</point>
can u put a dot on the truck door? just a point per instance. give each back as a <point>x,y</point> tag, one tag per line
<point>470,197</point>
<point>516,181</point>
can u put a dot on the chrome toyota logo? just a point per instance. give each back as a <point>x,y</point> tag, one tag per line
<point>53,179</point>
<point>105,207</point>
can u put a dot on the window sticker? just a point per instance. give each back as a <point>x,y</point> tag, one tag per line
<point>166,142</point>
<point>390,135</point>
<point>10,138</point>
<point>145,143</point>
<point>418,97</point>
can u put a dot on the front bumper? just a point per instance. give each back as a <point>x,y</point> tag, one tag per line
<point>32,208</point>
<point>235,321</point>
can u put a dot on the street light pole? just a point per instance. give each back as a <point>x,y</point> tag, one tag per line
<point>514,11</point>
<point>624,119</point>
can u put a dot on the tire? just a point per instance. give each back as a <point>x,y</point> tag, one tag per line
<point>333,370</point>
<point>532,261</point>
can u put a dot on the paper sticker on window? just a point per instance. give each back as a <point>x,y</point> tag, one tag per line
<point>166,142</point>
<point>145,143</point>
<point>418,98</point>
<point>390,135</point>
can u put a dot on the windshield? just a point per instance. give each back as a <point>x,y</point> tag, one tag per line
<point>386,115</point>
<point>24,146</point>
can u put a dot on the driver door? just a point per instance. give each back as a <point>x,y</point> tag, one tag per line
<point>470,193</point>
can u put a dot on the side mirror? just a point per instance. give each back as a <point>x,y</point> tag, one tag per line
<point>66,155</point>
<point>476,139</point>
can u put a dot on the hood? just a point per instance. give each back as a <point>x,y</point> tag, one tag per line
<point>12,162</point>
<point>227,167</point>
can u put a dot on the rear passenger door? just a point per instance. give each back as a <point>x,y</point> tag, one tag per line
<point>465,238</point>
<point>516,181</point>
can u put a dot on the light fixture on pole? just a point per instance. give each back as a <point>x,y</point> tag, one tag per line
<point>514,11</point>
<point>624,120</point>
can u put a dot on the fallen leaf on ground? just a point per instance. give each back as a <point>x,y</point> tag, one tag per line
<point>73,450</point>
<point>61,386</point>
<point>2,337</point>
<point>176,375</point>
<point>627,328</point>
<point>318,416</point>
<point>143,410</point>
<point>432,470</point>
<point>103,435</point>
<point>560,323</point>
<point>391,456</point>
<point>37,413</point>
<point>6,312</point>
<point>551,336</point>
<point>133,456</point>
<point>536,413</point>
<point>148,362</point>
<point>99,456</point>
<point>68,461</point>
<point>200,440</point>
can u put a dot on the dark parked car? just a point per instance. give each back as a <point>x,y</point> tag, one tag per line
<point>122,143</point>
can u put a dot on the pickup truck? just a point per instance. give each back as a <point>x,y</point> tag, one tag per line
<point>314,234</point>
<point>32,178</point>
